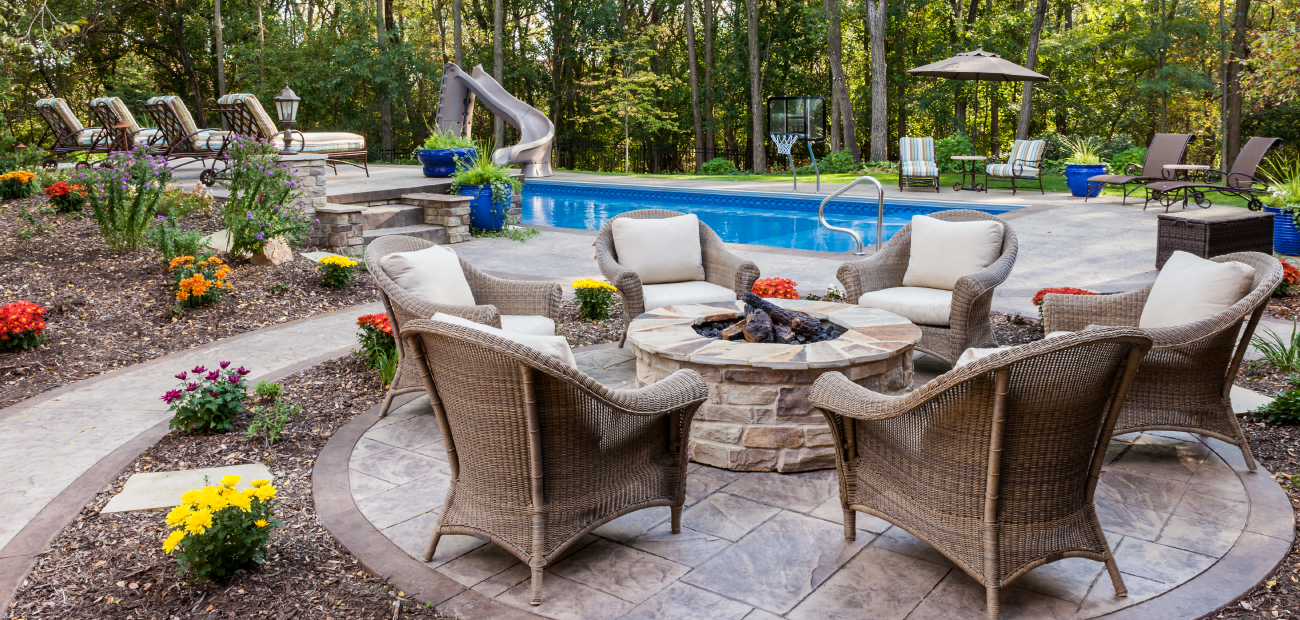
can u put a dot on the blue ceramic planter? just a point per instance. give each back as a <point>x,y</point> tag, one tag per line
<point>442,162</point>
<point>1286,240</point>
<point>484,215</point>
<point>1077,175</point>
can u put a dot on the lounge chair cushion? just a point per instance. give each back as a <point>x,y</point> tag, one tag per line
<point>120,110</point>
<point>942,252</point>
<point>1190,289</point>
<point>1010,170</point>
<point>182,122</point>
<point>923,306</point>
<point>211,140</point>
<point>1022,161</point>
<point>916,157</point>
<point>526,324</point>
<point>1113,179</point>
<point>151,136</point>
<point>432,274</point>
<point>262,125</point>
<point>92,136</point>
<point>919,169</point>
<point>554,346</point>
<point>70,122</point>
<point>660,250</point>
<point>697,292</point>
<point>322,142</point>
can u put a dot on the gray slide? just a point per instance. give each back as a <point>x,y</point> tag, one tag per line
<point>456,112</point>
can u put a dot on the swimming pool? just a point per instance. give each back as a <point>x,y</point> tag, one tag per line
<point>754,218</point>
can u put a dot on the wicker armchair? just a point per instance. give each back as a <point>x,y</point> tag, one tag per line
<point>995,463</point>
<point>542,454</point>
<point>495,297</point>
<point>1186,380</point>
<point>968,324</point>
<point>721,267</point>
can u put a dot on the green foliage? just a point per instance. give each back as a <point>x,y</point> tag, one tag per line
<point>218,530</point>
<point>1081,151</point>
<point>945,148</point>
<point>595,299</point>
<point>483,172</point>
<point>1283,175</point>
<point>1136,155</point>
<point>718,166</point>
<point>447,139</point>
<point>182,204</point>
<point>168,238</point>
<point>14,158</point>
<point>261,203</point>
<point>336,271</point>
<point>123,195</point>
<point>268,390</point>
<point>208,401</point>
<point>268,421</point>
<point>1281,351</point>
<point>835,162</point>
<point>1285,409</point>
<point>509,231</point>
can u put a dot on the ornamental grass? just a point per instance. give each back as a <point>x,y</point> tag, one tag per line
<point>595,298</point>
<point>217,529</point>
<point>21,325</point>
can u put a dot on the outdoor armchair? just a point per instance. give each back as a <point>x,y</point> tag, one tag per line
<point>1022,165</point>
<point>1165,149</point>
<point>499,302</point>
<point>1185,382</point>
<point>995,463</point>
<point>726,276</point>
<point>1241,181</point>
<point>542,454</point>
<point>966,307</point>
<point>69,137</point>
<point>244,114</point>
<point>916,163</point>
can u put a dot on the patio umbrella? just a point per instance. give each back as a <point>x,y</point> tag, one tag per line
<point>980,66</point>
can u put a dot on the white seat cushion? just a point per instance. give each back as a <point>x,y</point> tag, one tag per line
<point>554,346</point>
<point>661,250</point>
<point>432,274</point>
<point>923,306</point>
<point>971,355</point>
<point>1190,289</point>
<point>664,295</point>
<point>528,324</point>
<point>942,252</point>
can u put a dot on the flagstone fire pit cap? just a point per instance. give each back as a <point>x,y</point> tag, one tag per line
<point>869,335</point>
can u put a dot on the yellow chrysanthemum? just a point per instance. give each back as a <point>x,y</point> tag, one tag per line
<point>173,539</point>
<point>260,522</point>
<point>590,283</point>
<point>240,501</point>
<point>178,515</point>
<point>338,261</point>
<point>265,492</point>
<point>260,483</point>
<point>230,481</point>
<point>250,492</point>
<point>199,522</point>
<point>192,497</point>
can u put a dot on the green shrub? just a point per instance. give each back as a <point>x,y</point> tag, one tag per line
<point>336,271</point>
<point>268,422</point>
<point>123,195</point>
<point>209,401</point>
<point>835,162</point>
<point>448,140</point>
<point>217,530</point>
<point>268,390</point>
<point>170,240</point>
<point>958,144</point>
<point>13,157</point>
<point>1285,409</point>
<point>718,166</point>
<point>595,298</point>
<point>262,193</point>
<point>1135,155</point>
<point>182,204</point>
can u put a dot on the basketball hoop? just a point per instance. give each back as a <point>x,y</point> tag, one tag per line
<point>784,141</point>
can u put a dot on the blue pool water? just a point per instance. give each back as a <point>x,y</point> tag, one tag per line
<point>754,218</point>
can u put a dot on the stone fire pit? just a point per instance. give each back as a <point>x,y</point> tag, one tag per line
<point>758,417</point>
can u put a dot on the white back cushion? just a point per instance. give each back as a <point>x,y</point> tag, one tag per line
<point>943,252</point>
<point>1190,289</point>
<point>554,346</point>
<point>432,274</point>
<point>662,250</point>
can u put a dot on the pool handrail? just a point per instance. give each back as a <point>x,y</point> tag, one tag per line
<point>880,213</point>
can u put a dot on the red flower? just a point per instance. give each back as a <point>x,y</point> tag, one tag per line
<point>376,321</point>
<point>58,189</point>
<point>1038,298</point>
<point>780,288</point>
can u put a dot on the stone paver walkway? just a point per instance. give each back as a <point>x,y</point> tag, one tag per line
<point>51,441</point>
<point>762,545</point>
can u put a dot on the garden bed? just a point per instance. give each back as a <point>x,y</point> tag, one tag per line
<point>113,566</point>
<point>581,332</point>
<point>106,310</point>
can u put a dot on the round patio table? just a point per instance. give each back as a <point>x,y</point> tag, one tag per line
<point>969,168</point>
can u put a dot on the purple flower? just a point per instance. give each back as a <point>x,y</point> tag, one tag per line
<point>181,376</point>
<point>162,217</point>
<point>214,394</point>
<point>248,215</point>
<point>198,370</point>
<point>235,378</point>
<point>259,236</point>
<point>242,371</point>
<point>191,387</point>
<point>212,376</point>
<point>171,395</point>
<point>223,364</point>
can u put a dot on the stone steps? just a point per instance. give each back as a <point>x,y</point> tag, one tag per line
<point>392,216</point>
<point>429,232</point>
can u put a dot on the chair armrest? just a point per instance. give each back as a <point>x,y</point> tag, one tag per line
<point>1072,313</point>
<point>519,297</point>
<point>723,268</point>
<point>1238,177</point>
<point>972,295</point>
<point>834,392</point>
<point>684,388</point>
<point>881,270</point>
<point>410,306</point>
<point>627,282</point>
<point>1132,169</point>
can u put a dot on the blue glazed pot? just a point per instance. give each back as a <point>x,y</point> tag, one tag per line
<point>484,215</point>
<point>1077,175</point>
<point>442,162</point>
<point>1286,240</point>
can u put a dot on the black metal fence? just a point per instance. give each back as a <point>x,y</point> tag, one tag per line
<point>641,158</point>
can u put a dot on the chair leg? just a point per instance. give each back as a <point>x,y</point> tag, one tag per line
<point>537,586</point>
<point>432,547</point>
<point>850,524</point>
<point>991,601</point>
<point>388,402</point>
<point>676,512</point>
<point>1245,454</point>
<point>1115,578</point>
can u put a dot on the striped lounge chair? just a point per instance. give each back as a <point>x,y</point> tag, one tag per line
<point>123,130</point>
<point>244,114</point>
<point>1022,165</point>
<point>916,163</point>
<point>182,138</point>
<point>71,138</point>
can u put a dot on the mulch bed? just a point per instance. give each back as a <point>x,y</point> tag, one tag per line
<point>581,332</point>
<point>113,566</point>
<point>107,310</point>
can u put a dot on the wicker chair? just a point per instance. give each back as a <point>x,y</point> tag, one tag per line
<point>542,454</point>
<point>968,325</point>
<point>495,297</point>
<point>995,463</point>
<point>1186,380</point>
<point>721,267</point>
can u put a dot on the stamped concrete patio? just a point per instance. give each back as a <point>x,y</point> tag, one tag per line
<point>1191,530</point>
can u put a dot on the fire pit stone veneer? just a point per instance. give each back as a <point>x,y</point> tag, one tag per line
<point>758,417</point>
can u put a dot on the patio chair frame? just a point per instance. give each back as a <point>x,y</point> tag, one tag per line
<point>905,181</point>
<point>178,139</point>
<point>64,144</point>
<point>1017,167</point>
<point>1152,168</point>
<point>1240,181</point>
<point>241,121</point>
<point>123,139</point>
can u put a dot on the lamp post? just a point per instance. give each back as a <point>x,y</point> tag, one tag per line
<point>286,105</point>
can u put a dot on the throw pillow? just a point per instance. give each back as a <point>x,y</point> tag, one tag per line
<point>432,274</point>
<point>1190,289</point>
<point>943,252</point>
<point>661,250</point>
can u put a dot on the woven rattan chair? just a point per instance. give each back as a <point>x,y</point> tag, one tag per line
<point>1185,381</point>
<point>495,297</point>
<point>972,297</point>
<point>995,463</point>
<point>542,454</point>
<point>721,267</point>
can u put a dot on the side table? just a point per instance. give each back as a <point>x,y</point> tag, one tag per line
<point>1213,232</point>
<point>970,166</point>
<point>1185,172</point>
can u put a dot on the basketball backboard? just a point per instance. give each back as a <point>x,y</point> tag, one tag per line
<point>804,114</point>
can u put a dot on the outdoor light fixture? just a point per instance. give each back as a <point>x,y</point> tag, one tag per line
<point>286,104</point>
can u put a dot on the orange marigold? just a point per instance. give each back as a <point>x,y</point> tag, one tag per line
<point>780,288</point>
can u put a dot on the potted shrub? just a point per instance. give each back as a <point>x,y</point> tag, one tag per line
<point>490,188</point>
<point>442,150</point>
<point>1082,164</point>
<point>1283,202</point>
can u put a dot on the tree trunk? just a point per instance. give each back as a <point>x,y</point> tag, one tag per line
<point>498,66</point>
<point>385,103</point>
<point>876,14</point>
<point>695,85</point>
<point>442,32</point>
<point>220,54</point>
<point>1031,59</point>
<point>709,138</point>
<point>458,49</point>
<point>758,142</point>
<point>1241,14</point>
<point>187,63</point>
<point>261,42</point>
<point>835,122</point>
<point>842,109</point>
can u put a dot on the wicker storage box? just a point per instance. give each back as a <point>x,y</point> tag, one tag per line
<point>1214,232</point>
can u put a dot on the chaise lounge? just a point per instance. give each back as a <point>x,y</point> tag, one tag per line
<point>70,137</point>
<point>120,124</point>
<point>182,138</point>
<point>1240,182</point>
<point>1165,149</point>
<point>244,114</point>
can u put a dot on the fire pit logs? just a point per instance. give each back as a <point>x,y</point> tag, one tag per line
<point>768,322</point>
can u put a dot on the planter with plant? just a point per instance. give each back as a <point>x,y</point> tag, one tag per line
<point>1283,201</point>
<point>490,188</point>
<point>1082,164</point>
<point>444,151</point>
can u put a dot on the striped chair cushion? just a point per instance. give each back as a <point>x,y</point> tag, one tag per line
<point>1028,153</point>
<point>93,136</point>
<point>178,123</point>
<point>70,123</point>
<point>262,127</point>
<point>120,110</point>
<point>1009,170</point>
<point>150,136</point>
<point>323,142</point>
<point>211,141</point>
<point>919,169</point>
<point>916,149</point>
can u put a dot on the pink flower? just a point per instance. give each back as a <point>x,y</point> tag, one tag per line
<point>235,378</point>
<point>242,371</point>
<point>171,395</point>
<point>181,376</point>
<point>198,370</point>
<point>212,376</point>
<point>191,387</point>
<point>224,364</point>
